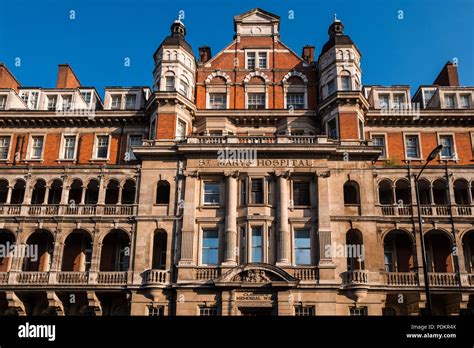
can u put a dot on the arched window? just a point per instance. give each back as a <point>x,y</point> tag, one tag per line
<point>39,192</point>
<point>295,91</point>
<point>184,86</point>
<point>163,192</point>
<point>3,191</point>
<point>398,252</point>
<point>438,252</point>
<point>385,192</point>
<point>255,93</point>
<point>169,80</point>
<point>115,254</point>
<point>128,192</point>
<point>77,253</point>
<point>159,250</point>
<point>461,192</point>
<point>217,92</point>
<point>92,192</point>
<point>43,240</point>
<point>55,192</point>
<point>424,191</point>
<point>354,250</point>
<point>440,192</point>
<point>6,238</point>
<point>345,81</point>
<point>351,192</point>
<point>75,192</point>
<point>402,192</point>
<point>112,192</point>
<point>18,192</point>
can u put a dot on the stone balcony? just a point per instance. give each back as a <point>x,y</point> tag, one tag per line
<point>426,210</point>
<point>68,210</point>
<point>155,278</point>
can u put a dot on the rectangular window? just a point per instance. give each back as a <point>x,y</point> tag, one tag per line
<point>398,101</point>
<point>243,246</point>
<point>212,193</point>
<point>302,247</point>
<point>465,103</point>
<point>217,100</point>
<point>346,83</point>
<point>210,247</point>
<point>156,311</point>
<point>52,100</point>
<point>66,102</point>
<point>388,261</point>
<point>295,101</point>
<point>257,255</point>
<point>269,192</point>
<point>301,311</point>
<point>448,146</point>
<point>449,101</point>
<point>427,95</point>
<point>24,96</point>
<point>130,101</point>
<point>181,130</point>
<point>3,102</point>
<point>250,60</point>
<point>116,102</point>
<point>102,146</point>
<point>4,147</point>
<point>384,101</point>
<point>87,96</point>
<point>153,129</point>
<point>208,311</point>
<point>257,191</point>
<point>256,101</point>
<point>331,86</point>
<point>33,100</point>
<point>379,140</point>
<point>262,60</point>
<point>412,146</point>
<point>301,193</point>
<point>361,130</point>
<point>184,88</point>
<point>69,147</point>
<point>37,147</point>
<point>358,311</point>
<point>169,84</point>
<point>243,192</point>
<point>133,140</point>
<point>332,129</point>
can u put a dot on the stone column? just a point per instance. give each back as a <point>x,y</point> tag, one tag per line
<point>231,219</point>
<point>46,195</point>
<point>283,258</point>
<point>119,200</point>
<point>326,264</point>
<point>9,194</point>
<point>189,223</point>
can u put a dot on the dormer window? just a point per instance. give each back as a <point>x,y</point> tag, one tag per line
<point>256,59</point>
<point>398,100</point>
<point>427,95</point>
<point>3,102</point>
<point>116,101</point>
<point>464,101</point>
<point>87,96</point>
<point>130,101</point>
<point>52,100</point>
<point>383,101</point>
<point>449,101</point>
<point>67,102</point>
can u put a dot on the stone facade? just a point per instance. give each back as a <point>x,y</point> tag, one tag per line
<point>252,182</point>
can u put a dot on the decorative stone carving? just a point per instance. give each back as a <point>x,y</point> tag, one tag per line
<point>252,276</point>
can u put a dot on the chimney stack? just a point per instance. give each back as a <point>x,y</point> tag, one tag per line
<point>7,80</point>
<point>448,76</point>
<point>66,77</point>
<point>308,54</point>
<point>204,54</point>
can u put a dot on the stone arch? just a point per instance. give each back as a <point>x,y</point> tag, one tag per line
<point>220,74</point>
<point>256,74</point>
<point>296,74</point>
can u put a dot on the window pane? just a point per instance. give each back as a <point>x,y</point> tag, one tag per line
<point>251,60</point>
<point>331,87</point>
<point>211,193</point>
<point>257,191</point>
<point>210,247</point>
<point>256,101</point>
<point>37,147</point>
<point>346,83</point>
<point>257,244</point>
<point>169,83</point>
<point>4,147</point>
<point>295,100</point>
<point>383,101</point>
<point>379,140</point>
<point>217,100</point>
<point>69,147</point>
<point>262,60</point>
<point>302,247</point>
<point>411,143</point>
<point>301,193</point>
<point>130,101</point>
<point>332,129</point>
<point>447,142</point>
<point>102,146</point>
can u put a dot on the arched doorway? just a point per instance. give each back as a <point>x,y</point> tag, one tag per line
<point>77,252</point>
<point>40,246</point>
<point>115,254</point>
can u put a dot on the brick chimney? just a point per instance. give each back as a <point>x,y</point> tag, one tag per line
<point>448,76</point>
<point>204,54</point>
<point>308,54</point>
<point>7,80</point>
<point>66,77</point>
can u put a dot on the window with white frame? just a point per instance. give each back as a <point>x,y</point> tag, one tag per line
<point>251,60</point>
<point>331,86</point>
<point>464,101</point>
<point>332,129</point>
<point>427,95</point>
<point>24,96</point>
<point>257,244</point>
<point>66,102</point>
<point>412,146</point>
<point>207,311</point>
<point>346,83</point>
<point>384,100</point>
<point>256,191</point>
<point>169,84</point>
<point>52,101</point>
<point>102,149</point>
<point>36,151</point>
<point>217,100</point>
<point>156,311</point>
<point>304,311</point>
<point>133,140</point>
<point>87,96</point>
<point>448,146</point>
<point>130,101</point>
<point>256,101</point>
<point>181,130</point>
<point>4,147</point>
<point>212,191</point>
<point>262,60</point>
<point>398,101</point>
<point>295,100</point>
<point>210,247</point>
<point>184,87</point>
<point>449,101</point>
<point>33,100</point>
<point>302,247</point>
<point>379,140</point>
<point>115,101</point>
<point>3,102</point>
<point>69,147</point>
<point>358,311</point>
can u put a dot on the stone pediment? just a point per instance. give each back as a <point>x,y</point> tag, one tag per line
<point>256,274</point>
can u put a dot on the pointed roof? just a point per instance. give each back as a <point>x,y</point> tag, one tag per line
<point>256,16</point>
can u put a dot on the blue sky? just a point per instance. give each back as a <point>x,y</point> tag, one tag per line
<point>408,51</point>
